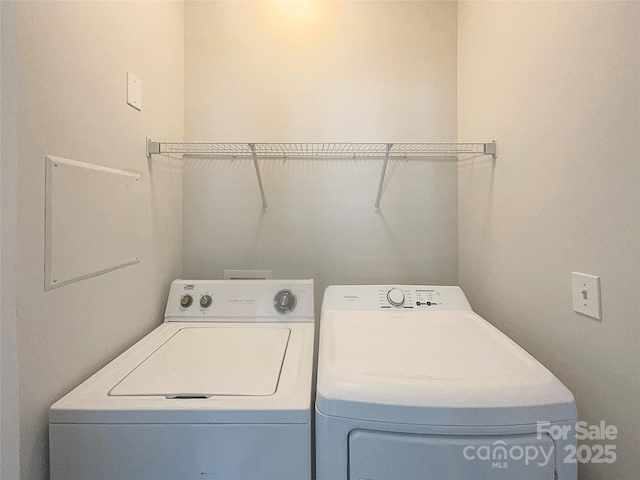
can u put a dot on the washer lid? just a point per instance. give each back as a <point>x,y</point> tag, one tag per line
<point>103,399</point>
<point>430,367</point>
<point>203,362</point>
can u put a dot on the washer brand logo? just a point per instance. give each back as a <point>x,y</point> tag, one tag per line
<point>189,286</point>
<point>498,454</point>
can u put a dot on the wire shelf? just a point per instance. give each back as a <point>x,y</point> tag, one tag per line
<point>322,150</point>
<point>333,150</point>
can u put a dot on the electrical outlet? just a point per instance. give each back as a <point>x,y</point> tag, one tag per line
<point>586,294</point>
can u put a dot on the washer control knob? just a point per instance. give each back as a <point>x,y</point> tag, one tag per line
<point>284,301</point>
<point>395,297</point>
<point>186,301</point>
<point>205,301</point>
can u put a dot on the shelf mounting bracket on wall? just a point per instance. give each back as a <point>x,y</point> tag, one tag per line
<point>491,149</point>
<point>153,148</point>
<point>382,174</point>
<point>252,146</point>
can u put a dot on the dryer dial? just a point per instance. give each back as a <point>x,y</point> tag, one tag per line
<point>284,301</point>
<point>395,297</point>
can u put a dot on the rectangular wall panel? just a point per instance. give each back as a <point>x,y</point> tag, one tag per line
<point>91,220</point>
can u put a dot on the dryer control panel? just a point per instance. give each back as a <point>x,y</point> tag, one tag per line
<point>405,297</point>
<point>240,300</point>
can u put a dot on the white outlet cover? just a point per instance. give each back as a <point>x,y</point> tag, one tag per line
<point>586,294</point>
<point>134,91</point>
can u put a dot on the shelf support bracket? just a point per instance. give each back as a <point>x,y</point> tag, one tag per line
<point>384,171</point>
<point>252,146</point>
<point>491,149</point>
<point>153,148</point>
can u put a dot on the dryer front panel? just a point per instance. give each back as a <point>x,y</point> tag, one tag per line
<point>390,456</point>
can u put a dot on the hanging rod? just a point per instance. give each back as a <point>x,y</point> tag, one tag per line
<point>326,150</point>
<point>334,150</point>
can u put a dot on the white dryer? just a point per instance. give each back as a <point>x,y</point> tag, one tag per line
<point>221,390</point>
<point>413,385</point>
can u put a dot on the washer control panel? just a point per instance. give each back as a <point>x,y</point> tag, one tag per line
<point>240,300</point>
<point>392,297</point>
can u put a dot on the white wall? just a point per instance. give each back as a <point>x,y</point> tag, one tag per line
<point>73,59</point>
<point>321,72</point>
<point>9,409</point>
<point>557,84</point>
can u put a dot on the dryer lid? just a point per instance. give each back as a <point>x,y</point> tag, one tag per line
<point>204,362</point>
<point>430,368</point>
<point>423,348</point>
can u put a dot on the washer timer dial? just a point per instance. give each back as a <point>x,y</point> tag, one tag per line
<point>284,301</point>
<point>395,297</point>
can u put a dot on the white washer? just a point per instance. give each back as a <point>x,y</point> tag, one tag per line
<point>222,389</point>
<point>413,385</point>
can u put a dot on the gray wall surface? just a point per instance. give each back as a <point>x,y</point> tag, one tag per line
<point>72,65</point>
<point>321,72</point>
<point>557,84</point>
<point>9,405</point>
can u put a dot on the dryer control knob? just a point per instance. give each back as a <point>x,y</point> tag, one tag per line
<point>206,301</point>
<point>284,301</point>
<point>395,297</point>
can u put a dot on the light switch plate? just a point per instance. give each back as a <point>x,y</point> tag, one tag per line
<point>134,91</point>
<point>586,294</point>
